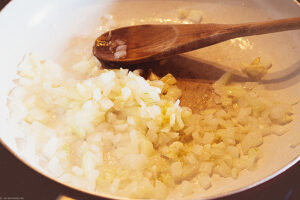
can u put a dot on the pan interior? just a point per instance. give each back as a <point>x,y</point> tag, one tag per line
<point>48,27</point>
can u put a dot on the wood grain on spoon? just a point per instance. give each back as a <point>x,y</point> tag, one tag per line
<point>146,43</point>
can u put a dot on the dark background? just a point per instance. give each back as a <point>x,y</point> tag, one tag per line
<point>3,3</point>
<point>17,181</point>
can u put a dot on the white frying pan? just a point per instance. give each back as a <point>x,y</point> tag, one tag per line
<point>45,27</point>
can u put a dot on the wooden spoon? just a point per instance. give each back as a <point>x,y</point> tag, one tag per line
<point>146,43</point>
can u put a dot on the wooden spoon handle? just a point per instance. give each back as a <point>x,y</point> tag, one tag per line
<point>258,28</point>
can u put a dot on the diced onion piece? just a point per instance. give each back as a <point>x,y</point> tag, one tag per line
<point>252,139</point>
<point>204,180</point>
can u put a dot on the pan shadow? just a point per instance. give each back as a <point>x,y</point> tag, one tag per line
<point>284,78</point>
<point>193,77</point>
